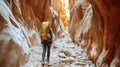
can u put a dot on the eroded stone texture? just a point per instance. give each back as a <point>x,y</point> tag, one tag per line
<point>106,14</point>
<point>41,9</point>
<point>71,3</point>
<point>20,26</point>
<point>100,36</point>
<point>45,11</point>
<point>18,31</point>
<point>61,7</point>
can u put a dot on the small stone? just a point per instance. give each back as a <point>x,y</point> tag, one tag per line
<point>67,60</point>
<point>82,63</point>
<point>66,66</point>
<point>73,65</point>
<point>74,55</point>
<point>54,46</point>
<point>78,63</point>
<point>62,55</point>
<point>67,53</point>
<point>61,51</point>
<point>78,59</point>
<point>84,58</point>
<point>92,65</point>
<point>88,62</point>
<point>87,65</point>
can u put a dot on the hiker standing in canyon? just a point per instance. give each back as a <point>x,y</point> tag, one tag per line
<point>46,35</point>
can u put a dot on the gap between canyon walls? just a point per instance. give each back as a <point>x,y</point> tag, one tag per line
<point>58,15</point>
<point>87,25</point>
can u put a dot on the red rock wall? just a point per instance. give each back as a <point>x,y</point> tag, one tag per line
<point>100,37</point>
<point>76,16</point>
<point>44,12</point>
<point>41,9</point>
<point>20,25</point>
<point>18,31</point>
<point>106,14</point>
<point>61,7</point>
<point>71,3</point>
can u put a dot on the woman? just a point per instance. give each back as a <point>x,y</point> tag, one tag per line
<point>46,35</point>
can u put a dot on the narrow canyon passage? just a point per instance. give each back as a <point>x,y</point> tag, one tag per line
<point>64,53</point>
<point>86,32</point>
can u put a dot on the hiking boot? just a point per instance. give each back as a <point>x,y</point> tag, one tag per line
<point>43,63</point>
<point>48,63</point>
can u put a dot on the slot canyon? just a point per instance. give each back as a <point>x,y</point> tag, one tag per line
<point>86,33</point>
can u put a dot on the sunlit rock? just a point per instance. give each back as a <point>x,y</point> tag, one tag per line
<point>61,7</point>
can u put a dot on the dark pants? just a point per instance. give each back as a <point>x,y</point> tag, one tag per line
<point>46,46</point>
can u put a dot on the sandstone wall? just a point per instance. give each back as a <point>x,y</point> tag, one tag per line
<point>20,26</point>
<point>18,32</point>
<point>44,11</point>
<point>41,9</point>
<point>98,32</point>
<point>62,7</point>
<point>71,3</point>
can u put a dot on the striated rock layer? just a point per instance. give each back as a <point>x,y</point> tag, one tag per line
<point>45,10</point>
<point>61,6</point>
<point>106,14</point>
<point>20,22</point>
<point>98,32</point>
<point>18,32</point>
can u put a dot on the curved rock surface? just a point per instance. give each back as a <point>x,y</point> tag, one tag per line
<point>20,25</point>
<point>98,32</point>
<point>48,10</point>
<point>94,25</point>
<point>18,32</point>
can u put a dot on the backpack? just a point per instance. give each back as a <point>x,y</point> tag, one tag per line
<point>45,31</point>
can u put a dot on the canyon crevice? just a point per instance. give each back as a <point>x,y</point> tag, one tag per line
<point>94,25</point>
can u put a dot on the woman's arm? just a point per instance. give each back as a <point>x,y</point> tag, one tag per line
<point>51,33</point>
